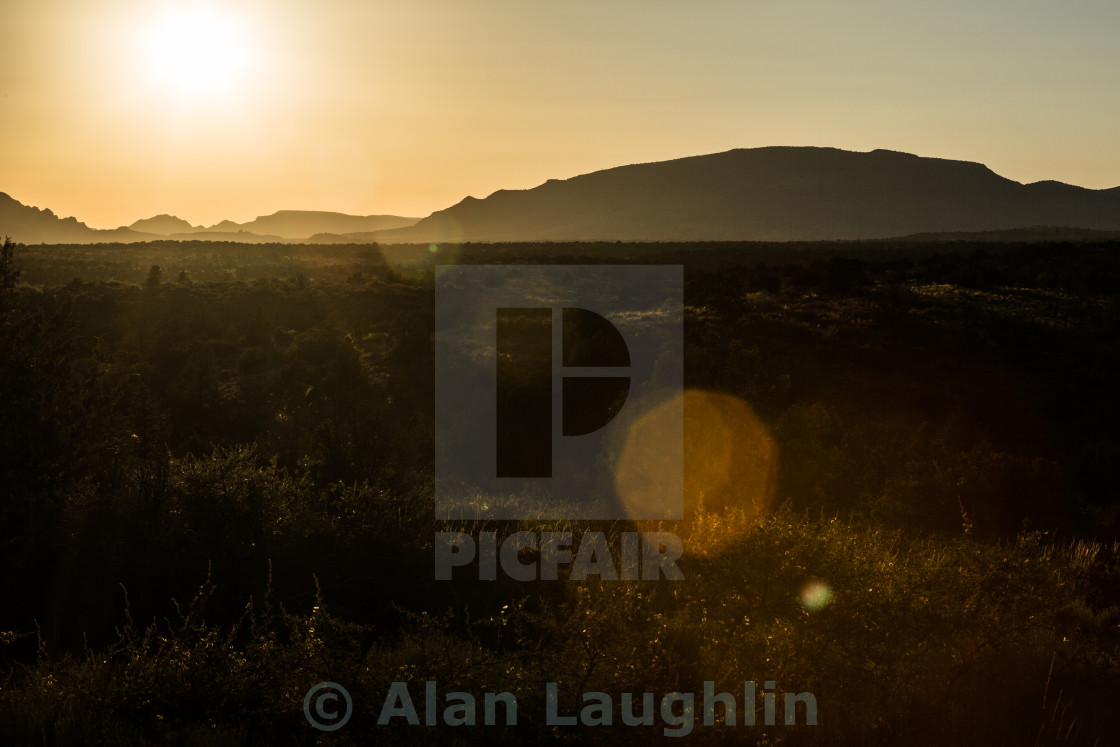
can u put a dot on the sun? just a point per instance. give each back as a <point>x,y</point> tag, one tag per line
<point>193,51</point>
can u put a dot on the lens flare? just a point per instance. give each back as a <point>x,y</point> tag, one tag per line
<point>815,596</point>
<point>730,458</point>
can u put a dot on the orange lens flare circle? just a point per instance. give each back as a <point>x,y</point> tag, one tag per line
<point>730,458</point>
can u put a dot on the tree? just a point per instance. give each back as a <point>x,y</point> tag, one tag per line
<point>154,277</point>
<point>9,274</point>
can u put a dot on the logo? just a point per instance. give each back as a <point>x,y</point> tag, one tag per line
<point>325,715</point>
<point>543,375</point>
<point>524,384</point>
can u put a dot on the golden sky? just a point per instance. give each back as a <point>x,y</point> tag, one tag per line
<point>115,110</point>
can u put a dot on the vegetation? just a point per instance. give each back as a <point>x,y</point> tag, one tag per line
<point>216,491</point>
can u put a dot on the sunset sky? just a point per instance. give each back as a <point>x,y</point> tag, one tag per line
<point>115,110</point>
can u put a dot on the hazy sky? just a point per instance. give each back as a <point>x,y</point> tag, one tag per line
<point>114,110</point>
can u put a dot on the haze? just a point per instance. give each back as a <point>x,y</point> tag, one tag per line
<point>116,110</point>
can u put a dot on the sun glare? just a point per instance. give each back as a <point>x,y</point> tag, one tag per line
<point>194,51</point>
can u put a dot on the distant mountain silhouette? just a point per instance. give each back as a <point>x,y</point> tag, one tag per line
<point>31,225</point>
<point>224,226</point>
<point>760,194</point>
<point>301,224</point>
<point>245,237</point>
<point>283,225</point>
<point>164,225</point>
<point>769,194</point>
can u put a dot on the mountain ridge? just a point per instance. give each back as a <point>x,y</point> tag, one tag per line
<point>163,224</point>
<point>29,225</point>
<point>303,224</point>
<point>776,193</point>
<point>33,225</point>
